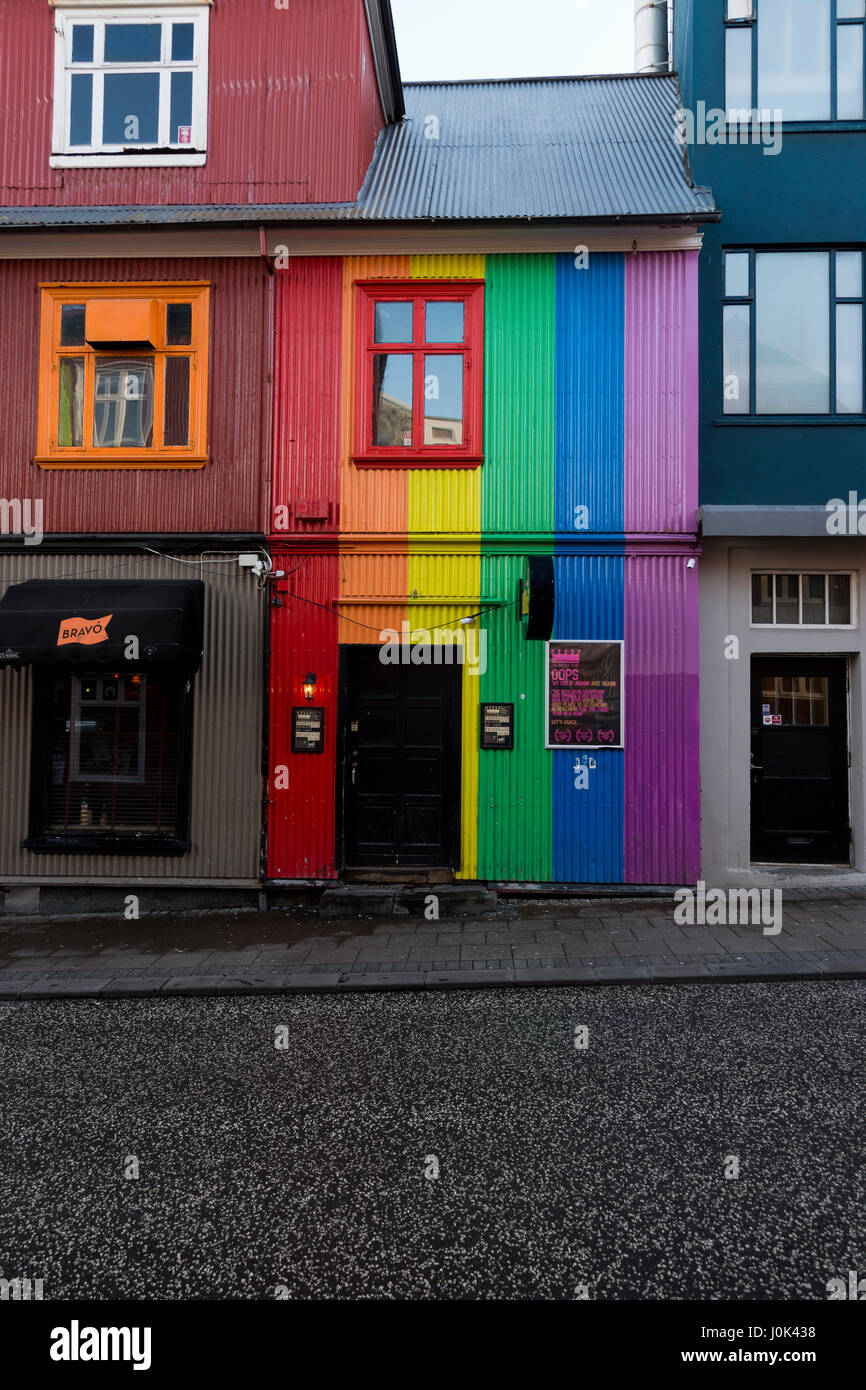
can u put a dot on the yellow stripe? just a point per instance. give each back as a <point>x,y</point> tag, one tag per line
<point>448,501</point>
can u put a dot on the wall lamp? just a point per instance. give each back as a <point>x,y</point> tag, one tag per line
<point>310,686</point>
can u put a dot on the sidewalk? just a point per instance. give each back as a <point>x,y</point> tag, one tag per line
<point>593,941</point>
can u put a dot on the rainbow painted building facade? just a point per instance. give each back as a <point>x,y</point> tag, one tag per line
<point>589,457</point>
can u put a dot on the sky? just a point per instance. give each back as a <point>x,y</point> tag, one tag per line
<point>459,39</point>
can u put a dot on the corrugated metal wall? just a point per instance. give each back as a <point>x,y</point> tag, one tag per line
<point>307,393</point>
<point>517,486</point>
<point>571,355</point>
<point>590,364</point>
<point>225,812</point>
<point>588,822</point>
<point>660,392</point>
<point>662,773</point>
<point>293,115</point>
<point>228,493</point>
<point>303,638</point>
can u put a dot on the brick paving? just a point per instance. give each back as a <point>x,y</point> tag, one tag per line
<point>603,941</point>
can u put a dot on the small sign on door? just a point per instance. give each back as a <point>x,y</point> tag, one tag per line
<point>772,718</point>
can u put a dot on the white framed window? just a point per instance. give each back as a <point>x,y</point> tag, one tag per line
<point>130,85</point>
<point>785,598</point>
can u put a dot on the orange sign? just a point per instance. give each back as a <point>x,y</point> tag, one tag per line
<point>86,632</point>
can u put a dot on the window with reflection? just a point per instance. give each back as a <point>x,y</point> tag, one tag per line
<point>419,373</point>
<point>793,332</point>
<point>124,375</point>
<point>804,58</point>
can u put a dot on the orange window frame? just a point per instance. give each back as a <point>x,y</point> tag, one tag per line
<point>193,454</point>
<point>471,294</point>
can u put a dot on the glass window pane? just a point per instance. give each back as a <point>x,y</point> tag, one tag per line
<point>849,72</point>
<point>131,109</point>
<point>176,429</point>
<point>820,694</point>
<point>444,322</point>
<point>178,324</point>
<point>739,9</point>
<point>737,275</point>
<point>393,323</point>
<point>794,58</point>
<point>737,383</point>
<point>840,598</point>
<point>180,120</point>
<point>849,275</point>
<point>82,43</point>
<point>133,43</point>
<point>70,420</point>
<point>392,399</point>
<point>443,400</point>
<point>81,108</point>
<point>72,325</point>
<point>182,38</point>
<point>849,359</point>
<point>814,608</point>
<point>792,330</point>
<point>851,9</point>
<point>123,402</point>
<point>787,598</point>
<point>738,70</point>
<point>762,598</point>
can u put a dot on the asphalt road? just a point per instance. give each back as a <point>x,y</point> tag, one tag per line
<point>561,1170</point>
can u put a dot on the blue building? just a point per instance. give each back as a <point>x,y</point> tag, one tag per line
<point>773,120</point>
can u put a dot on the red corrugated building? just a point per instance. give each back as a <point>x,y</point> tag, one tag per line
<point>142,147</point>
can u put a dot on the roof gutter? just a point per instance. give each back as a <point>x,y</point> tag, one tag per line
<point>150,218</point>
<point>380,23</point>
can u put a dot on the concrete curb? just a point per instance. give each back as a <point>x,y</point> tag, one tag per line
<point>825,967</point>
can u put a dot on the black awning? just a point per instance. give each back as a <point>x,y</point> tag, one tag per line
<point>88,623</point>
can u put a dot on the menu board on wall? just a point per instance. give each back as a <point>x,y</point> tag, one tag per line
<point>584,694</point>
<point>497,726</point>
<point>308,729</point>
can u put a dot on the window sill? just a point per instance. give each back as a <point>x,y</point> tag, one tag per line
<point>105,844</point>
<point>127,462</point>
<point>171,160</point>
<point>419,461</point>
<point>785,421</point>
<point>828,127</point>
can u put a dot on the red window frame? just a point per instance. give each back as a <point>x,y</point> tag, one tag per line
<point>471,294</point>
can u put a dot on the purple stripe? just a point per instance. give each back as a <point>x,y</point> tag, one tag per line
<point>662,763</point>
<point>661,385</point>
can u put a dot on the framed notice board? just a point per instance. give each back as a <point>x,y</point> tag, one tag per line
<point>584,695</point>
<point>497,726</point>
<point>308,729</point>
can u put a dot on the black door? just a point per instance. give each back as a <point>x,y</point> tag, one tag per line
<point>400,761</point>
<point>800,761</point>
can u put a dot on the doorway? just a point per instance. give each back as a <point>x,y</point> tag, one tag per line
<point>799,769</point>
<point>400,761</point>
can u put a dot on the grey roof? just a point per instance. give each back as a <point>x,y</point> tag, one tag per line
<point>578,147</point>
<point>575,148</point>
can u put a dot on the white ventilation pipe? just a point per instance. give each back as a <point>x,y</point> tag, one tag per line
<point>651,36</point>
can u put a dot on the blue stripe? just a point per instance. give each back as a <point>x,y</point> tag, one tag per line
<point>590,393</point>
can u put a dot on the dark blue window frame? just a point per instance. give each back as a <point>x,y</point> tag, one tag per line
<point>834,417</point>
<point>836,22</point>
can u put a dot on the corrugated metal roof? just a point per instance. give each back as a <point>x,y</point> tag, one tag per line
<point>590,148</point>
